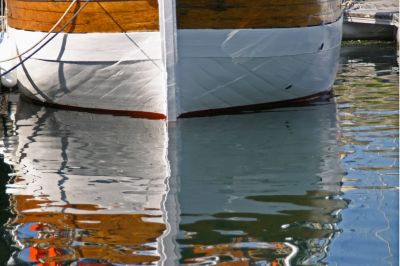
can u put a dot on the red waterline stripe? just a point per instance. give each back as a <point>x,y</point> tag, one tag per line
<point>210,112</point>
<point>261,106</point>
<point>133,114</point>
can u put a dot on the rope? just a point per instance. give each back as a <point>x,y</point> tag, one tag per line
<point>48,33</point>
<point>46,42</point>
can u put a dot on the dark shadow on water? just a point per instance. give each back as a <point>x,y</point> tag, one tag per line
<point>6,173</point>
<point>5,214</point>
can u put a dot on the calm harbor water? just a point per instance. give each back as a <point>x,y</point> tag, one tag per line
<point>313,185</point>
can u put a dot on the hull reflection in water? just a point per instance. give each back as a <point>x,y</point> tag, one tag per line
<point>88,189</point>
<point>258,189</point>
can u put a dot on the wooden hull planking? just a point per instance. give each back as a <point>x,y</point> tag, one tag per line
<point>143,15</point>
<point>97,16</point>
<point>240,14</point>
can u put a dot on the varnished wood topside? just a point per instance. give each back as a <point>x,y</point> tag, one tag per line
<point>239,14</point>
<point>143,15</point>
<point>97,16</point>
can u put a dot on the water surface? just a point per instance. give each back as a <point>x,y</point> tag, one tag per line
<point>313,185</point>
<point>85,188</point>
<point>259,188</point>
<point>367,96</point>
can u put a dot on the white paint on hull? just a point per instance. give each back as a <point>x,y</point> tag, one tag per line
<point>112,71</point>
<point>168,32</point>
<point>131,86</point>
<point>92,47</point>
<point>228,68</point>
<point>207,69</point>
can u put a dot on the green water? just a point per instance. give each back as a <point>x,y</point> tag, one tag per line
<point>313,185</point>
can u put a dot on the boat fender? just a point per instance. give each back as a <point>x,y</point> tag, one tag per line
<point>9,80</point>
<point>8,49</point>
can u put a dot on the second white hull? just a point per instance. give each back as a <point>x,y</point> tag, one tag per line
<point>221,69</point>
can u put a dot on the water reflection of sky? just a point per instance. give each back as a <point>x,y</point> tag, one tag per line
<point>305,185</point>
<point>367,98</point>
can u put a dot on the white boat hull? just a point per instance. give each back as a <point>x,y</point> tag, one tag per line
<point>214,69</point>
<point>119,72</point>
<point>220,69</point>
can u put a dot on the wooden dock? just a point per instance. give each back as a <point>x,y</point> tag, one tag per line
<point>371,19</point>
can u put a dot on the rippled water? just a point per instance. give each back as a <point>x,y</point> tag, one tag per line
<point>254,186</point>
<point>367,90</point>
<point>314,185</point>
